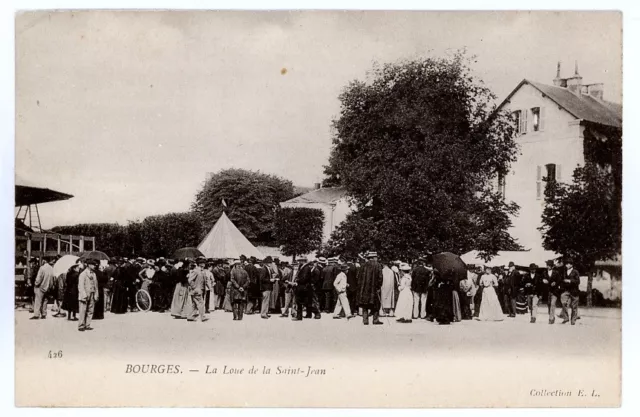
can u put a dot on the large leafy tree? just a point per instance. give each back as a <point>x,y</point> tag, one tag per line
<point>162,235</point>
<point>299,230</point>
<point>418,147</point>
<point>583,219</point>
<point>251,200</point>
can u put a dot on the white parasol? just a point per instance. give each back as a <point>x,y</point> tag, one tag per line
<point>63,264</point>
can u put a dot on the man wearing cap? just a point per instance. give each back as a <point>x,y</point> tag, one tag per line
<point>511,290</point>
<point>552,281</point>
<point>419,281</point>
<point>329,274</point>
<point>196,290</point>
<point>570,296</point>
<point>369,286</point>
<point>87,295</point>
<point>43,286</point>
<point>340,284</point>
<point>531,286</point>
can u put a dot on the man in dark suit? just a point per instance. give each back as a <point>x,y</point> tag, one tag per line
<point>329,274</point>
<point>420,277</point>
<point>511,290</point>
<point>570,293</point>
<point>352,285</point>
<point>551,283</point>
<point>531,286</point>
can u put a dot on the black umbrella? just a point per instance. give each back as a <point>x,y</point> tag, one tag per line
<point>187,253</point>
<point>450,266</point>
<point>95,254</point>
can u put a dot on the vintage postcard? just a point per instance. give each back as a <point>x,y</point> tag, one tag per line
<point>405,209</point>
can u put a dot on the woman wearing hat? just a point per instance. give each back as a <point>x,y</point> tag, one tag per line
<point>404,309</point>
<point>490,309</point>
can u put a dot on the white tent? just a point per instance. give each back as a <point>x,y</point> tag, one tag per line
<point>520,258</point>
<point>225,241</point>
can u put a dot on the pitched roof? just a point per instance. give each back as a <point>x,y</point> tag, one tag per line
<point>326,195</point>
<point>581,106</point>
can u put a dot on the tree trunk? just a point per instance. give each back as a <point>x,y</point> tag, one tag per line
<point>589,288</point>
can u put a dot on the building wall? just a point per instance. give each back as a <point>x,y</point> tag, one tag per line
<point>559,142</point>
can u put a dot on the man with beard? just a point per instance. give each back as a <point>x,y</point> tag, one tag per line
<point>313,301</point>
<point>253,291</point>
<point>369,287</point>
<point>302,289</point>
<point>329,274</point>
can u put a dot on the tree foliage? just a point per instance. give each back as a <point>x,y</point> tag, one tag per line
<point>155,236</point>
<point>417,147</point>
<point>299,229</point>
<point>111,238</point>
<point>583,219</point>
<point>251,198</point>
<point>162,235</point>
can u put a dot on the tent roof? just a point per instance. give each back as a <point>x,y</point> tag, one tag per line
<point>225,241</point>
<point>520,258</point>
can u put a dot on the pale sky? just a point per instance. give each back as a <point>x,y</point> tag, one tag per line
<point>128,111</point>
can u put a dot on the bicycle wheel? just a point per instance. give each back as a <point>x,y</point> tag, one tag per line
<point>143,300</point>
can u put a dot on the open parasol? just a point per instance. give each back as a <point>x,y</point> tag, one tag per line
<point>450,266</point>
<point>63,264</point>
<point>96,254</point>
<point>187,253</point>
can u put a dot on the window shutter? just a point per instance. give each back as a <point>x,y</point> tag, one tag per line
<point>538,182</point>
<point>541,119</point>
<point>524,120</point>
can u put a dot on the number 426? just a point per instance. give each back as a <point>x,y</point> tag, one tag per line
<point>55,355</point>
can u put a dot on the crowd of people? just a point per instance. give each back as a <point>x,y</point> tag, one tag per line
<point>193,288</point>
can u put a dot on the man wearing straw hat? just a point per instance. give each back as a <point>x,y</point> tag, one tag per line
<point>87,295</point>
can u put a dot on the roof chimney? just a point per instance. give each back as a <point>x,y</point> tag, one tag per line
<point>558,81</point>
<point>574,84</point>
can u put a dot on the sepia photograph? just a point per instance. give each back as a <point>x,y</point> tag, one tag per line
<point>367,209</point>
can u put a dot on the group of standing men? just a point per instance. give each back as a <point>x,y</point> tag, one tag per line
<point>559,281</point>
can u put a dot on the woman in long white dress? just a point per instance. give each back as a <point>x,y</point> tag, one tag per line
<point>404,308</point>
<point>490,309</point>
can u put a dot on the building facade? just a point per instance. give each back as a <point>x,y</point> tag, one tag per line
<point>331,200</point>
<point>558,127</point>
